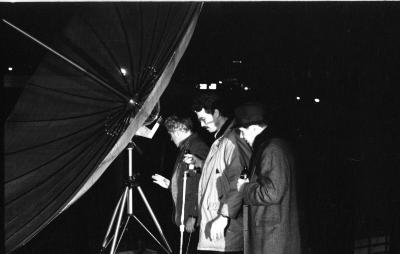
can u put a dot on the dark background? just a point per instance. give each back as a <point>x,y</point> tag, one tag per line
<point>345,54</point>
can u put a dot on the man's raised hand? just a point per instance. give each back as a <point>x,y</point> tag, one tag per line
<point>160,180</point>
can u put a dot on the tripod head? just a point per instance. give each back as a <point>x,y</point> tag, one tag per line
<point>133,180</point>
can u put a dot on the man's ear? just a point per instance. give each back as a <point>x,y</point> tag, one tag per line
<point>216,113</point>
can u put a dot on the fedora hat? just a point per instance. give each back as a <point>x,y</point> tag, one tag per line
<point>249,113</point>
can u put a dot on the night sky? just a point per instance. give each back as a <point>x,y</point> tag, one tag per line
<point>345,54</point>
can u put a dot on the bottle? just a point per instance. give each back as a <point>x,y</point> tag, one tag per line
<point>244,173</point>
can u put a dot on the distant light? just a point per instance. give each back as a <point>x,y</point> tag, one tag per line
<point>203,86</point>
<point>212,86</point>
<point>123,71</point>
<point>298,98</point>
<point>10,68</point>
<point>237,61</point>
<point>220,82</point>
<point>316,100</point>
<point>246,88</point>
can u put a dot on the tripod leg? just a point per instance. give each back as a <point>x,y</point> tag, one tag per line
<point>104,245</point>
<point>148,231</point>
<point>153,217</point>
<point>121,211</point>
<point>123,230</point>
<point>181,242</point>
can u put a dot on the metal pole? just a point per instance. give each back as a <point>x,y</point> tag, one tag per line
<point>182,226</point>
<point>153,217</point>
<point>130,177</point>
<point>103,83</point>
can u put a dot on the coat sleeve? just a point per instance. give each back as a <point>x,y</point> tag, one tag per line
<point>200,149</point>
<point>237,156</point>
<point>272,180</point>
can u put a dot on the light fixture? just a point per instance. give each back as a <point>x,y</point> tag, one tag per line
<point>298,98</point>
<point>246,88</point>
<point>220,82</point>
<point>203,86</point>
<point>123,71</point>
<point>316,100</point>
<point>10,68</point>
<point>212,86</point>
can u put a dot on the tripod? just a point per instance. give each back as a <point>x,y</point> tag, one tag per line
<point>127,198</point>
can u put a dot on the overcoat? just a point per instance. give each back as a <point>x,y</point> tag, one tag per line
<point>271,220</point>
<point>194,144</point>
<point>218,194</point>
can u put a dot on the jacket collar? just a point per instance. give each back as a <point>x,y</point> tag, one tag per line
<point>262,138</point>
<point>227,126</point>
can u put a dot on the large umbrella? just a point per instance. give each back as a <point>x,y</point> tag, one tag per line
<point>84,103</point>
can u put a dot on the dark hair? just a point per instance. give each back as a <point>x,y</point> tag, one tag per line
<point>211,102</point>
<point>173,123</point>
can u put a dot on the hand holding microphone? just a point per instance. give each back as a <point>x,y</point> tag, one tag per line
<point>193,161</point>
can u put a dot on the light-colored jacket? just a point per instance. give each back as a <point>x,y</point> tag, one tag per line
<point>218,194</point>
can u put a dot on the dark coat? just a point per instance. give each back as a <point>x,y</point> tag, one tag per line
<point>194,145</point>
<point>271,221</point>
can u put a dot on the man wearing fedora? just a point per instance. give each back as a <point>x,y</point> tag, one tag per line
<point>270,212</point>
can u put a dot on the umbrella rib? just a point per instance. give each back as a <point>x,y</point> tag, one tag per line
<point>10,201</point>
<point>67,93</point>
<point>156,57</point>
<point>149,52</point>
<point>81,154</point>
<point>65,118</point>
<point>53,140</point>
<point>127,44</point>
<point>140,47</point>
<point>115,62</point>
<point>101,82</point>
<point>48,220</point>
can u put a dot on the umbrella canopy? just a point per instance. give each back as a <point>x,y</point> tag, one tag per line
<point>82,107</point>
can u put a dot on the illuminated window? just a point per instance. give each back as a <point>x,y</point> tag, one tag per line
<point>203,86</point>
<point>372,245</point>
<point>212,86</point>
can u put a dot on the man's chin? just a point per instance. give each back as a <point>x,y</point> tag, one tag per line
<point>211,131</point>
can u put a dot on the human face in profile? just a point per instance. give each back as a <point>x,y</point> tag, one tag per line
<point>177,136</point>
<point>248,134</point>
<point>208,121</point>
